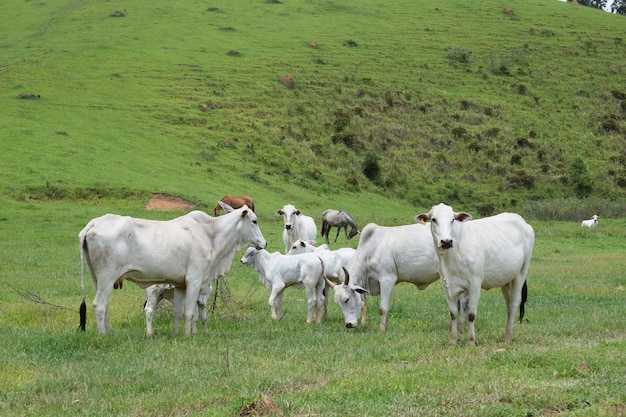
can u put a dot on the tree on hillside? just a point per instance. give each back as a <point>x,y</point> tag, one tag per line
<point>598,4</point>
<point>619,7</point>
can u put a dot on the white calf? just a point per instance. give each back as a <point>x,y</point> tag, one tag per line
<point>333,260</point>
<point>593,222</point>
<point>278,271</point>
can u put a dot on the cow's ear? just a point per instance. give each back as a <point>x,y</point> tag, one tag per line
<point>244,213</point>
<point>225,206</point>
<point>358,289</point>
<point>298,212</point>
<point>279,212</point>
<point>422,218</point>
<point>303,244</point>
<point>462,217</point>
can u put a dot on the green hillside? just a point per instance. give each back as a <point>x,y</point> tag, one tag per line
<point>410,101</point>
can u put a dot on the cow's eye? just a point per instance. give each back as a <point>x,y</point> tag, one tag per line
<point>345,300</point>
<point>433,220</point>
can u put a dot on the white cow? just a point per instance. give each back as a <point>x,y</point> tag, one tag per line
<point>297,226</point>
<point>334,260</point>
<point>493,252</point>
<point>384,257</point>
<point>278,271</point>
<point>593,222</point>
<point>155,294</point>
<point>188,252</point>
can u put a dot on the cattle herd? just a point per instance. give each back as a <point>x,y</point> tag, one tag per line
<point>180,258</point>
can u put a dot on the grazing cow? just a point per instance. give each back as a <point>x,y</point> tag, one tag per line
<point>155,294</point>
<point>234,202</point>
<point>593,222</point>
<point>338,218</point>
<point>297,226</point>
<point>384,257</point>
<point>188,252</point>
<point>334,260</point>
<point>493,252</point>
<point>278,271</point>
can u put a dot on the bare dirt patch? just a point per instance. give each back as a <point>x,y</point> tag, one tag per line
<point>166,202</point>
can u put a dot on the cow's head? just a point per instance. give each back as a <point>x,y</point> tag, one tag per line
<point>289,214</point>
<point>249,257</point>
<point>442,224</point>
<point>348,298</point>
<point>302,246</point>
<point>247,226</point>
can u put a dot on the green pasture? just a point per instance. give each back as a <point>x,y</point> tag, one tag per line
<point>567,358</point>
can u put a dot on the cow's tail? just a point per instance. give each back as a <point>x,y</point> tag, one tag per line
<point>83,307</point>
<point>521,304</point>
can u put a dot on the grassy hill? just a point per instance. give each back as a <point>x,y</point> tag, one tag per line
<point>413,102</point>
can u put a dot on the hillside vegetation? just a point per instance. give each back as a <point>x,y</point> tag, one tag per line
<point>488,105</point>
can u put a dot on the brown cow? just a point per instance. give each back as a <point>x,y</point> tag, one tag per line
<point>234,202</point>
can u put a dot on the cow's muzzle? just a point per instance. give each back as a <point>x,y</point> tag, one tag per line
<point>446,243</point>
<point>350,325</point>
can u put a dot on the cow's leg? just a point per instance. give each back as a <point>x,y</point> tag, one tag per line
<point>326,295</point>
<point>276,300</point>
<point>179,304</point>
<point>311,302</point>
<point>101,306</point>
<point>512,293</point>
<point>453,308</point>
<point>320,302</point>
<point>152,304</point>
<point>363,309</point>
<point>472,311</point>
<point>463,304</point>
<point>386,286</point>
<point>202,300</point>
<point>191,308</point>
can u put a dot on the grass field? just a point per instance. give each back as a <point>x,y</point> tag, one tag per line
<point>567,358</point>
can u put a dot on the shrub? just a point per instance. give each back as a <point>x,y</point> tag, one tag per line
<point>371,168</point>
<point>579,177</point>
<point>459,132</point>
<point>347,137</point>
<point>487,209</point>
<point>520,178</point>
<point>342,120</point>
<point>459,55</point>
